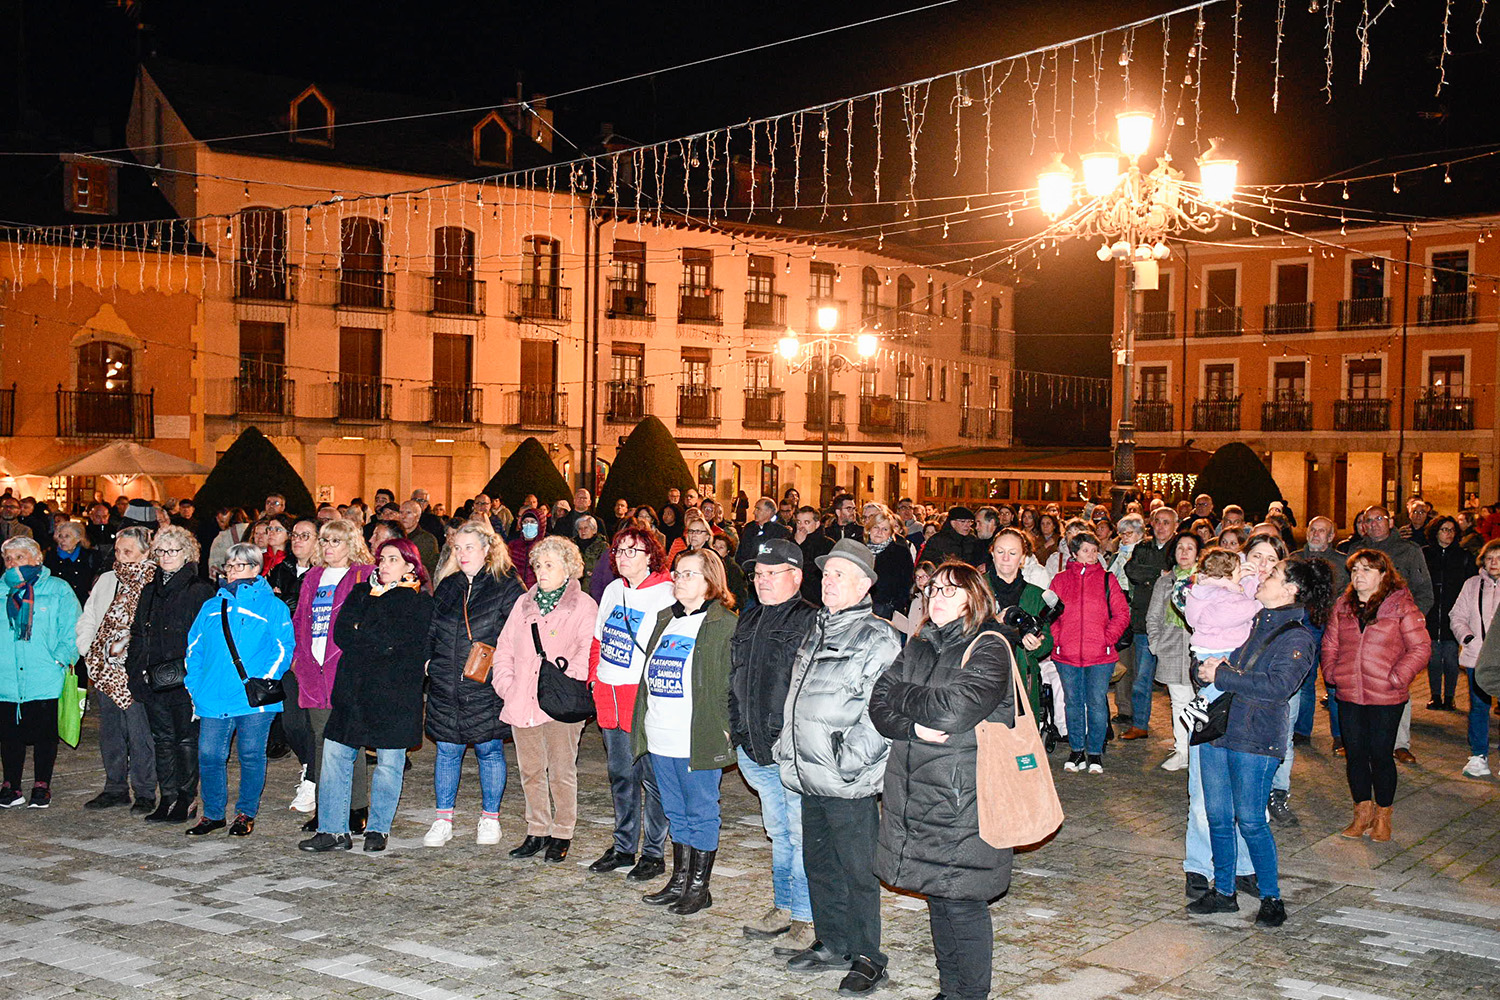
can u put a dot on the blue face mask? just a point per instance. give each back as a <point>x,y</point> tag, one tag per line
<point>528,530</point>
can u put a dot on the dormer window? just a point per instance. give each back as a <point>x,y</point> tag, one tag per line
<point>494,141</point>
<point>89,187</point>
<point>312,118</point>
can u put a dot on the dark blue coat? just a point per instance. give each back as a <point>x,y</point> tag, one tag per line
<point>1258,721</point>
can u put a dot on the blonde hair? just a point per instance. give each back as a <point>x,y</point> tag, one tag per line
<point>497,555</point>
<point>881,516</point>
<point>344,530</point>
<point>1218,563</point>
<point>176,533</point>
<point>560,548</point>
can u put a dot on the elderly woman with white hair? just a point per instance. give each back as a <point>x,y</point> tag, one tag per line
<point>37,645</point>
<point>71,560</point>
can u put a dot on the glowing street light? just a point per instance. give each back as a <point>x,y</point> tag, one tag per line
<point>1135,129</point>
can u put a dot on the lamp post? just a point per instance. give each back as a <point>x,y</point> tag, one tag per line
<point>825,362</point>
<point>1134,213</point>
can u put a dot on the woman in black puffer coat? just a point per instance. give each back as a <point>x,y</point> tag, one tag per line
<point>928,703</point>
<point>476,588</point>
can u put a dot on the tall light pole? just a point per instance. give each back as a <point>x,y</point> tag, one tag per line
<point>825,363</point>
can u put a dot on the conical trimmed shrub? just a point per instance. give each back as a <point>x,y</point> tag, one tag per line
<point>528,469</point>
<point>647,465</point>
<point>1236,475</point>
<point>250,470</point>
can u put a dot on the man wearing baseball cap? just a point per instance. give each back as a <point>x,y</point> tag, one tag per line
<point>765,642</point>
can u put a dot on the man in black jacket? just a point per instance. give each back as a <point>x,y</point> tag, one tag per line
<point>1150,558</point>
<point>813,543</point>
<point>762,527</point>
<point>761,653</point>
<point>956,540</point>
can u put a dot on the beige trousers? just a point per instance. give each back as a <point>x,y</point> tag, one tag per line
<point>548,758</point>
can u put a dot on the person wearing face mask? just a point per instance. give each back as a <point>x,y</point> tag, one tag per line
<point>530,525</point>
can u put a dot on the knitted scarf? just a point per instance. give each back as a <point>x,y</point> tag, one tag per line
<point>21,602</point>
<point>546,600</point>
<point>105,656</point>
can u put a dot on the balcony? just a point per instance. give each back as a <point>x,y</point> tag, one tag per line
<point>814,420</point>
<point>8,411</point>
<point>632,299</point>
<point>765,408</point>
<point>1155,325</point>
<point>265,393</point>
<point>1441,412</point>
<point>975,422</point>
<point>539,303</point>
<point>361,399</point>
<point>626,401</point>
<point>1283,415</point>
<point>1217,415</point>
<point>974,339</point>
<point>1356,314</point>
<point>1362,415</point>
<point>536,406</point>
<point>1447,309</point>
<point>910,418</point>
<point>698,406</point>
<point>91,414</point>
<point>1219,321</point>
<point>456,295</point>
<point>453,405</point>
<point>877,414</point>
<point>765,310</point>
<point>360,288</point>
<point>1289,317</point>
<point>696,304</point>
<point>259,282</point>
<point>1152,414</point>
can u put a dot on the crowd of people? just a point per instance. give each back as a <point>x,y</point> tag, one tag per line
<point>840,659</point>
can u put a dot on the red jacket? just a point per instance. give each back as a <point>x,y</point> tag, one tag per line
<point>1093,620</point>
<point>1376,666</point>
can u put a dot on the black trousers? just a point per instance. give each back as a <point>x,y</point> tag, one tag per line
<point>174,732</point>
<point>296,728</point>
<point>963,938</point>
<point>1369,748</point>
<point>29,723</point>
<point>838,851</point>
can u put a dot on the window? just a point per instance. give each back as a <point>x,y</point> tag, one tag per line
<point>1450,272</point>
<point>1367,279</point>
<point>1223,288</point>
<point>943,302</point>
<point>626,399</point>
<point>452,359</point>
<point>943,384</point>
<point>89,188</point>
<point>1159,299</point>
<point>105,367</point>
<point>1445,375</point>
<point>1291,284</point>
<point>697,271</point>
<point>262,351</point>
<point>1218,382</point>
<point>869,295</point>
<point>1289,381</point>
<point>695,362</point>
<point>904,378</point>
<point>1153,384</point>
<point>758,372</point>
<point>494,143</point>
<point>312,118</point>
<point>360,391</point>
<point>762,274</point>
<point>361,263</point>
<point>927,383</point>
<point>964,384</point>
<point>905,289</point>
<point>262,268</point>
<point>869,383</point>
<point>453,288</point>
<point>994,393</point>
<point>821,277</point>
<point>627,362</point>
<point>538,366</point>
<point>1364,378</point>
<point>630,263</point>
<point>929,294</point>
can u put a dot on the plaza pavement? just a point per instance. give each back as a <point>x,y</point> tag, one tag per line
<point>103,905</point>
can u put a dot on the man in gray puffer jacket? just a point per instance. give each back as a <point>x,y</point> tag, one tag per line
<point>831,753</point>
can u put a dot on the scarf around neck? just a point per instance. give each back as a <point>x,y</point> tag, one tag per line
<point>20,604</point>
<point>105,656</point>
<point>546,600</point>
<point>406,582</point>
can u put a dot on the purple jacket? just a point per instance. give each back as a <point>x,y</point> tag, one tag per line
<point>315,680</point>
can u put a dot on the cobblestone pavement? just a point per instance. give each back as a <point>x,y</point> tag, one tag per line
<point>101,904</point>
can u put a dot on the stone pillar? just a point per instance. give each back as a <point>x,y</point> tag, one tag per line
<point>1365,483</point>
<point>1289,469</point>
<point>1440,480</point>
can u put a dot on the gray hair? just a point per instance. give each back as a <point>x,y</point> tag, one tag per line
<point>70,527</point>
<point>246,553</point>
<point>140,535</point>
<point>1131,522</point>
<point>20,544</point>
<point>561,549</point>
<point>179,535</point>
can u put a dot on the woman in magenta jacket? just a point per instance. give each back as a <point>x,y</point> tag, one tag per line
<point>1375,643</point>
<point>1095,615</point>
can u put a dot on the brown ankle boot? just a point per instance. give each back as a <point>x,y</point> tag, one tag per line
<point>1380,830</point>
<point>1364,816</point>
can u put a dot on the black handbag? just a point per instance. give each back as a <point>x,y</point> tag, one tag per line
<point>259,691</point>
<point>557,694</point>
<point>1128,639</point>
<point>167,675</point>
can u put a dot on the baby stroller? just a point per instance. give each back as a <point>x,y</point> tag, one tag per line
<point>1047,720</point>
<point>1017,624</point>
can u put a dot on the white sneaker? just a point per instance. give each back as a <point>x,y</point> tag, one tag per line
<point>439,834</point>
<point>1477,767</point>
<point>1176,762</point>
<point>307,797</point>
<point>489,831</point>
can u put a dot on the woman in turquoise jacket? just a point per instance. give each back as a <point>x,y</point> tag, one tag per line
<point>37,646</point>
<point>262,630</point>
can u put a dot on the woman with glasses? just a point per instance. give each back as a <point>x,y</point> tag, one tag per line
<point>155,664</point>
<point>325,588</point>
<point>476,589</point>
<point>242,631</point>
<point>286,583</point>
<point>682,722</point>
<point>894,563</point>
<point>627,613</point>
<point>696,533</point>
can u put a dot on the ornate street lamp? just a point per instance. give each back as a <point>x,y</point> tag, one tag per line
<point>825,362</point>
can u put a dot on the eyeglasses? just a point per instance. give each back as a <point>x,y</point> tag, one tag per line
<point>771,574</point>
<point>170,552</point>
<point>697,531</point>
<point>304,536</point>
<point>685,574</point>
<point>629,552</point>
<point>238,565</point>
<point>947,590</point>
<point>330,541</point>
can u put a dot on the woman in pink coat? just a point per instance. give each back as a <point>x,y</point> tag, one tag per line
<point>1095,615</point>
<point>1472,615</point>
<point>562,616</point>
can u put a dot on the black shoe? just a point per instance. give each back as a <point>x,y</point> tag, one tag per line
<point>41,796</point>
<point>1124,720</point>
<point>557,850</point>
<point>376,842</point>
<point>357,820</point>
<point>695,895</point>
<point>311,825</point>
<point>323,842</point>
<point>1434,706</point>
<point>648,868</point>
<point>1281,812</point>
<point>205,826</point>
<point>108,800</point>
<point>818,958</point>
<point>1197,886</point>
<point>1272,912</point>
<point>277,750</point>
<point>182,809</point>
<point>673,889</point>
<point>243,826</point>
<point>1215,903</point>
<point>143,805</point>
<point>1301,739</point>
<point>532,845</point>
<point>1248,884</point>
<point>864,976</point>
<point>610,861</point>
<point>163,813</point>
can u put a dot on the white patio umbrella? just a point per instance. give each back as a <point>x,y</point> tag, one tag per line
<point>122,462</point>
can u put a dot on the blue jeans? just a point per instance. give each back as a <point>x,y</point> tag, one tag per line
<point>1198,855</point>
<point>1479,718</point>
<point>1086,704</point>
<point>450,763</point>
<point>691,801</point>
<point>1145,677</point>
<point>1307,705</point>
<point>337,777</point>
<point>1235,788</point>
<point>1333,711</point>
<point>781,815</point>
<point>1283,779</point>
<point>214,737</point>
<point>632,786</point>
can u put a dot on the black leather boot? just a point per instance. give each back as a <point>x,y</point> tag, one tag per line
<point>669,892</point>
<point>695,895</point>
<point>182,809</point>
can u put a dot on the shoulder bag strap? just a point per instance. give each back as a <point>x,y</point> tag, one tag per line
<point>229,638</point>
<point>536,639</point>
<point>1283,629</point>
<point>467,628</point>
<point>1021,699</point>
